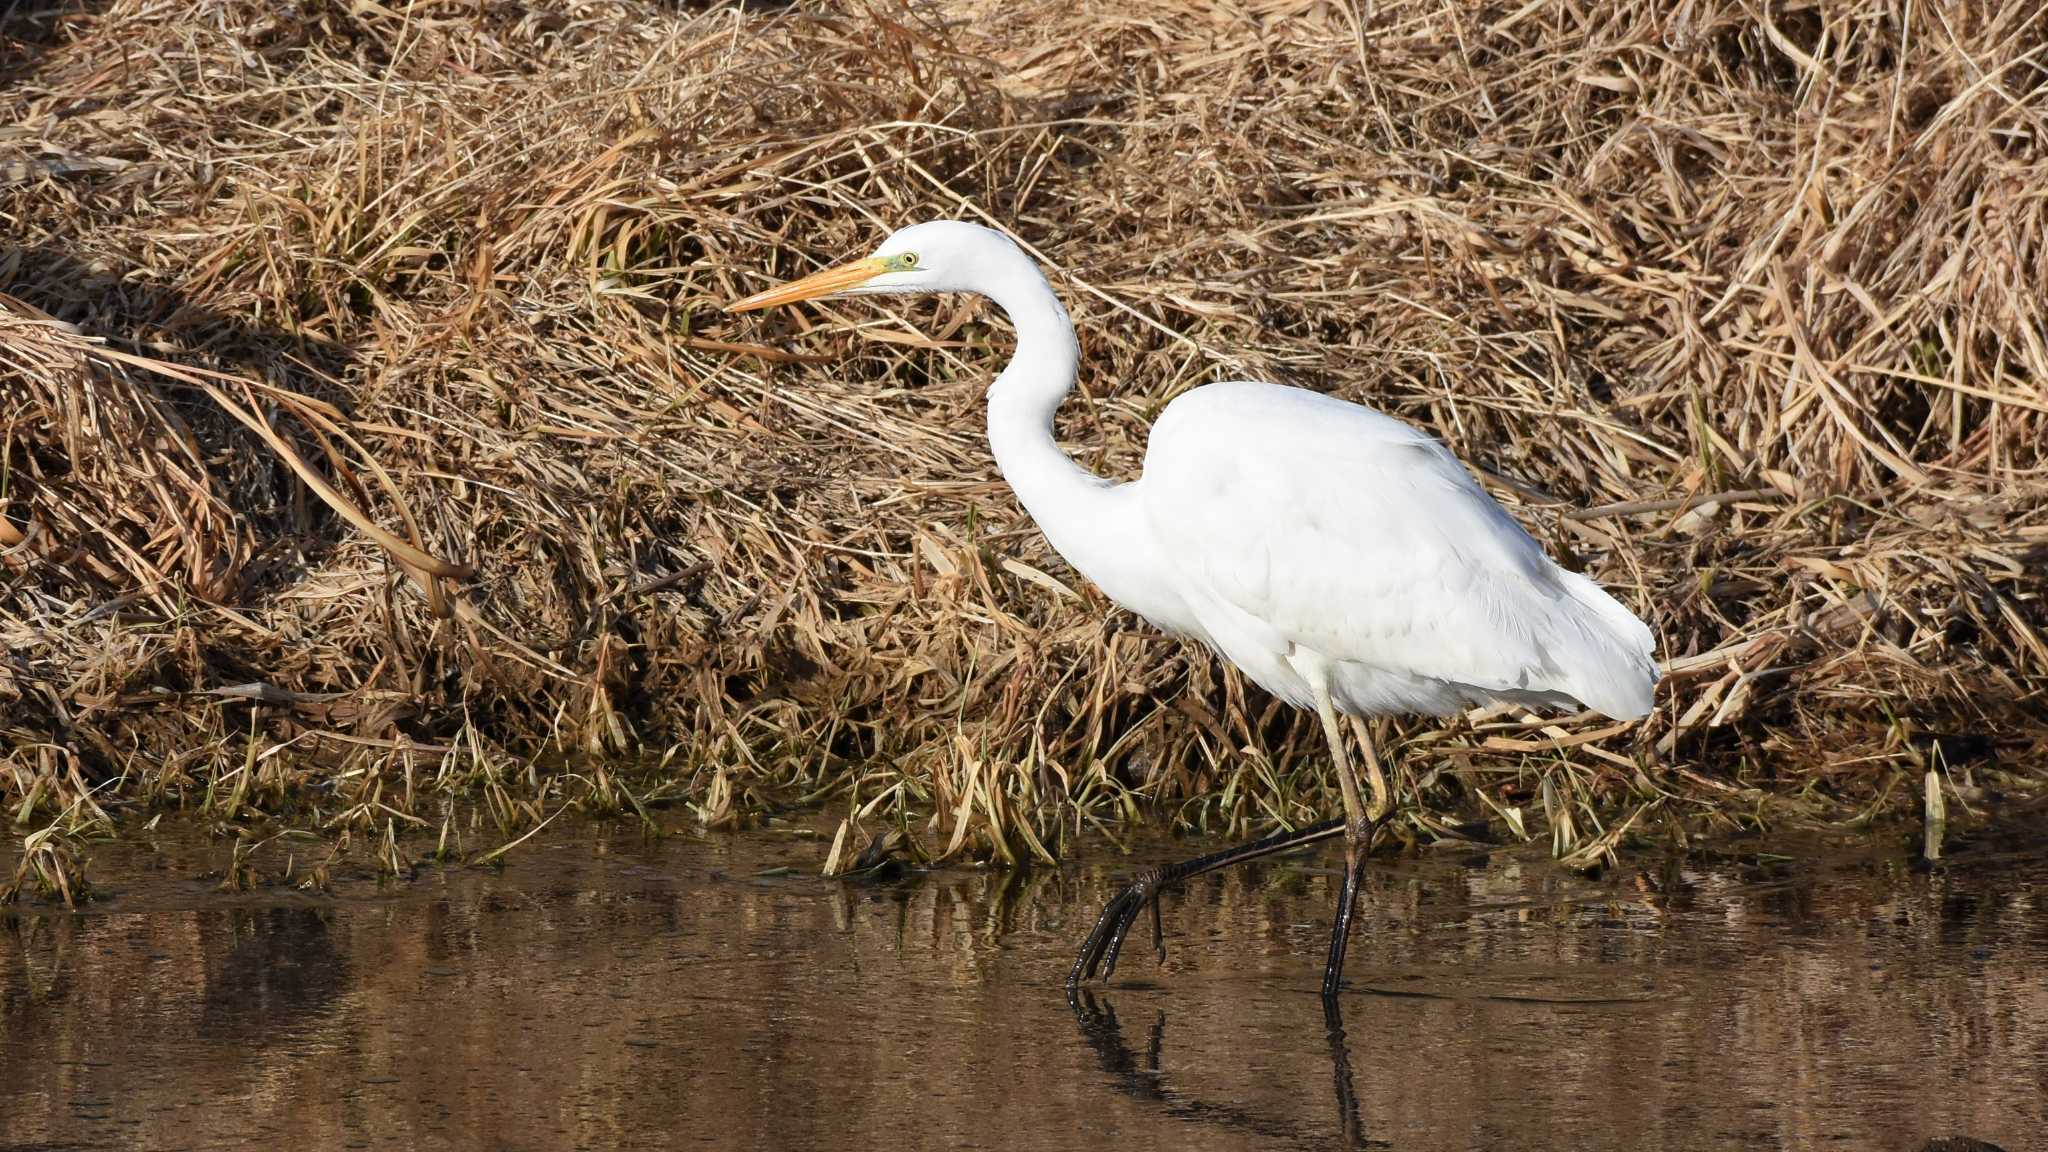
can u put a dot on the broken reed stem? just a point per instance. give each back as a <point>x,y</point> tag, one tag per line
<point>1934,816</point>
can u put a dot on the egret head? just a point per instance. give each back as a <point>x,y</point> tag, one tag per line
<point>936,256</point>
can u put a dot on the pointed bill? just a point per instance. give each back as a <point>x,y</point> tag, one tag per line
<point>811,287</point>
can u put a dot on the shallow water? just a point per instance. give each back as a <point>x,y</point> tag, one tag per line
<point>601,991</point>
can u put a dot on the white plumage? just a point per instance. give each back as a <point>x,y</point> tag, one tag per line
<point>1344,560</point>
<point>1287,520</point>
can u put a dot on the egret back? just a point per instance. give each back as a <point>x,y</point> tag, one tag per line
<point>1288,519</point>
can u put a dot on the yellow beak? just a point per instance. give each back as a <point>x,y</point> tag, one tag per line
<point>811,287</point>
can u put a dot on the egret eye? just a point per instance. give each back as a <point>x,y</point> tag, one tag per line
<point>908,259</point>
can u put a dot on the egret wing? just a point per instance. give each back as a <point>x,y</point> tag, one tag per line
<point>1346,532</point>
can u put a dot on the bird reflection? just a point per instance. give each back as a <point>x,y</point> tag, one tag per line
<point>1143,1077</point>
<point>279,968</point>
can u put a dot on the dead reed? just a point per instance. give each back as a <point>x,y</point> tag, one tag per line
<point>369,436</point>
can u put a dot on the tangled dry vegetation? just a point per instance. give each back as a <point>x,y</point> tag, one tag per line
<point>372,437</point>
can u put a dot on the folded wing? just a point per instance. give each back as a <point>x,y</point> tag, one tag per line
<point>1344,531</point>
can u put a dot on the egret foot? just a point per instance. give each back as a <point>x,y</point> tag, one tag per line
<point>1106,942</point>
<point>1099,952</point>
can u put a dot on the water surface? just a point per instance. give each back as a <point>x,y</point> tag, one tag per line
<point>603,991</point>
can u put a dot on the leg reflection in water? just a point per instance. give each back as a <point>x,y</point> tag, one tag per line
<point>1340,1071</point>
<point>1143,1078</point>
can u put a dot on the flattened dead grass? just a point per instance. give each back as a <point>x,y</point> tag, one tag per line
<point>370,438</point>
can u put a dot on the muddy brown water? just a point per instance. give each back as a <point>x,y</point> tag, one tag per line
<point>604,991</point>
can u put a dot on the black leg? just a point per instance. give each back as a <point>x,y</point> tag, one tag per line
<point>1099,952</point>
<point>1357,846</point>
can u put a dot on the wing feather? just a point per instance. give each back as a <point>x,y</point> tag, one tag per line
<point>1349,533</point>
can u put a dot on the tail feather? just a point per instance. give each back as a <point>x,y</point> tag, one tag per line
<point>1614,667</point>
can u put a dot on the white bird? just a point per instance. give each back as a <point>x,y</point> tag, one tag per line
<point>1342,559</point>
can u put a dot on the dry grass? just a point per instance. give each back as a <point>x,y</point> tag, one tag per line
<point>387,446</point>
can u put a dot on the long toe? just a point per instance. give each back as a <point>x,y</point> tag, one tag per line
<point>1105,942</point>
<point>1092,948</point>
<point>1116,938</point>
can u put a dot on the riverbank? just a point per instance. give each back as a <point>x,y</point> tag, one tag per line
<point>376,456</point>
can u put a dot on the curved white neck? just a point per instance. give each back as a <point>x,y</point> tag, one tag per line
<point>1070,504</point>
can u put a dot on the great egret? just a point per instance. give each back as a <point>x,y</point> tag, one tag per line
<point>1345,561</point>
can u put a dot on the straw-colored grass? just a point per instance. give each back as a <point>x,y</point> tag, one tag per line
<point>370,436</point>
